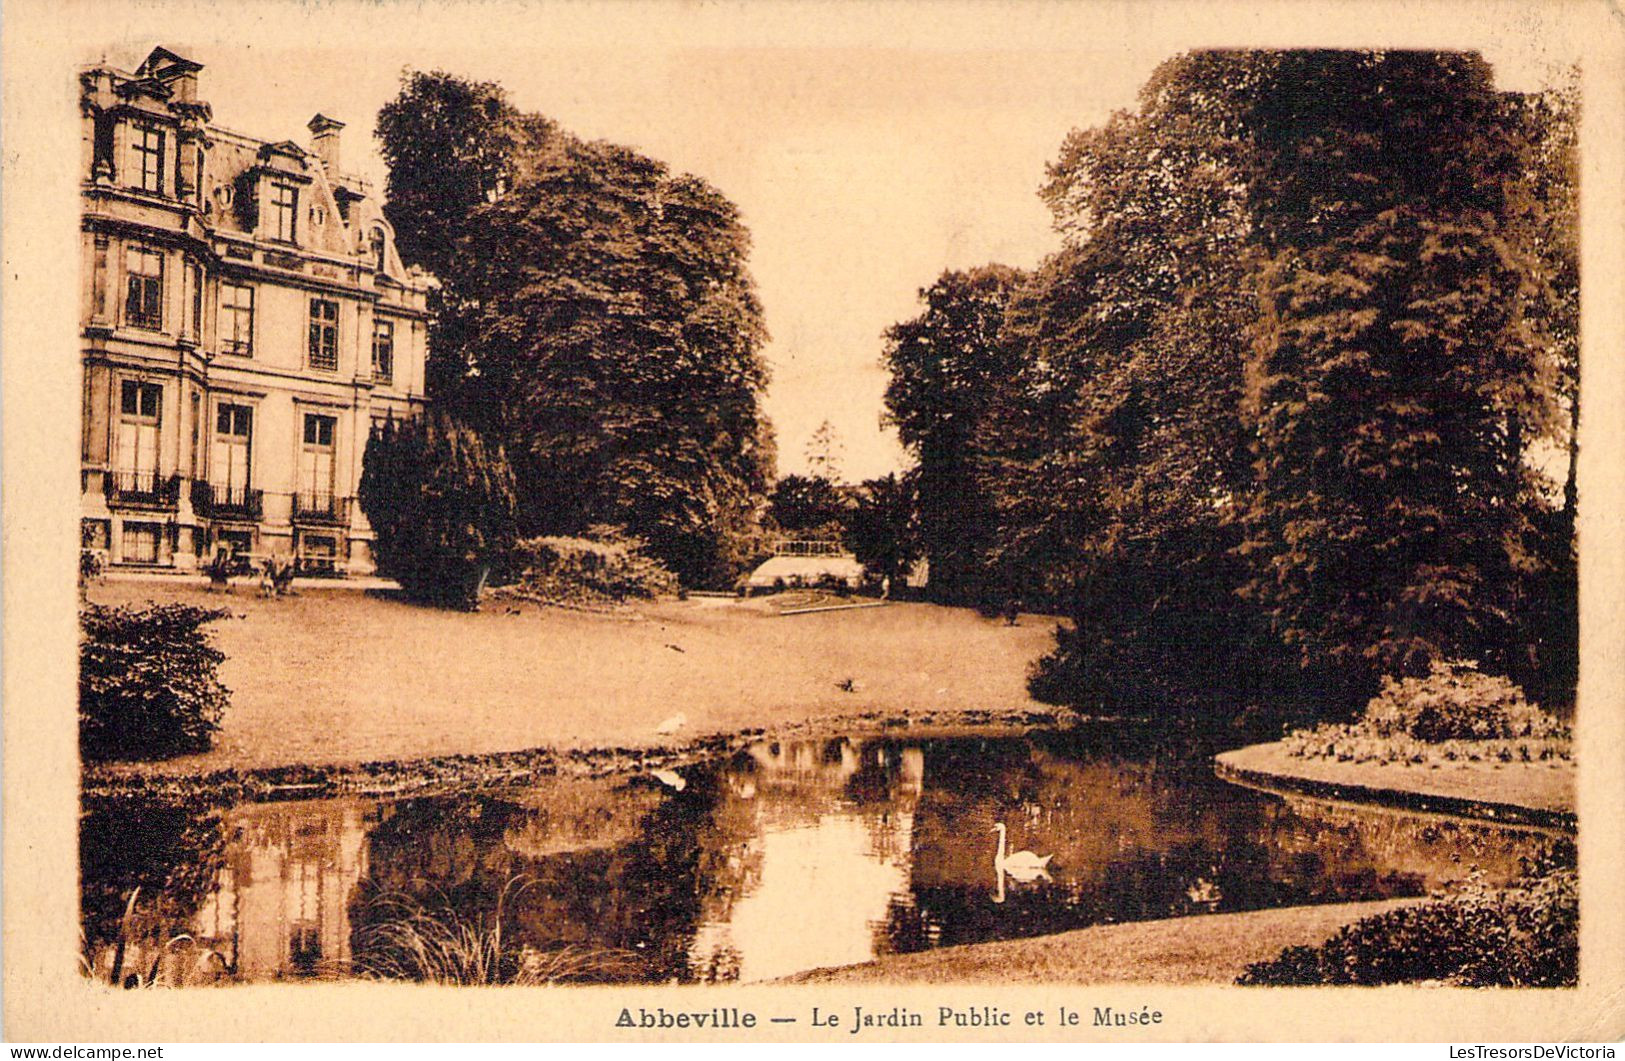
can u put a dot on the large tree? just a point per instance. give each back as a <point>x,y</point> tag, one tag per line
<point>808,506</point>
<point>1397,381</point>
<point>1549,615</point>
<point>947,369</point>
<point>1298,346</point>
<point>451,146</point>
<point>598,318</point>
<point>1120,458</point>
<point>882,529</point>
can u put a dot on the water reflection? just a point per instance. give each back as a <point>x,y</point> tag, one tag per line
<point>822,835</point>
<point>788,856</point>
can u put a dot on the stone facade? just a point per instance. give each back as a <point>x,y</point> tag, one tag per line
<point>245,321</point>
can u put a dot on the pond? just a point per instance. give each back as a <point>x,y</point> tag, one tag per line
<point>787,856</point>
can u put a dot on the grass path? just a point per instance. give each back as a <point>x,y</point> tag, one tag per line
<point>332,677</point>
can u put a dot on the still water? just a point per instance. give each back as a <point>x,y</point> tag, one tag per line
<point>785,857</point>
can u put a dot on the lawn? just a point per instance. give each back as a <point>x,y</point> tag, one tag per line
<point>1546,788</point>
<point>1215,948</point>
<point>331,677</point>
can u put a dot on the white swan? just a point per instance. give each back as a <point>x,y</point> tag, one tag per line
<point>1021,865</point>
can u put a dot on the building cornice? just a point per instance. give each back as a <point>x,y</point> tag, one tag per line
<point>219,368</point>
<point>201,240</point>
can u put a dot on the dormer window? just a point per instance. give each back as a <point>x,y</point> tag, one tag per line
<point>147,142</point>
<point>284,212</point>
<point>377,247</point>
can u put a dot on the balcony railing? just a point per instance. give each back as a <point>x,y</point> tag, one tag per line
<point>227,502</point>
<point>144,489</point>
<point>321,508</point>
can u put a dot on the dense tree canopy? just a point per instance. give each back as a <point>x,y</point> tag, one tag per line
<point>451,145</point>
<point>1123,451</point>
<point>1396,383</point>
<point>882,529</point>
<point>1269,425</point>
<point>947,365</point>
<point>808,506</point>
<point>597,316</point>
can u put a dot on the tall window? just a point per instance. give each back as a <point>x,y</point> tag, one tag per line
<point>147,141</point>
<point>140,406</point>
<point>144,276</point>
<point>316,461</point>
<point>284,212</point>
<point>383,350</point>
<point>197,428</point>
<point>196,274</point>
<point>378,251</point>
<point>324,334</point>
<point>236,318</point>
<point>233,430</point>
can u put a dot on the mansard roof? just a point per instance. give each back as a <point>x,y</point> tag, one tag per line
<point>338,213</point>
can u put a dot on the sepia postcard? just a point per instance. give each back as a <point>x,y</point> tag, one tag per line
<point>814,522</point>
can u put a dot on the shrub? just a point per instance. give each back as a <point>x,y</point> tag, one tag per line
<point>1454,713</point>
<point>148,686</point>
<point>442,508</point>
<point>1524,936</point>
<point>92,565</point>
<point>607,569</point>
<point>1455,701</point>
<point>833,583</point>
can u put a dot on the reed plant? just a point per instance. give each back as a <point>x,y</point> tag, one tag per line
<point>441,945</point>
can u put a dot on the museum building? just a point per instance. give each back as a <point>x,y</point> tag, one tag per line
<point>246,322</point>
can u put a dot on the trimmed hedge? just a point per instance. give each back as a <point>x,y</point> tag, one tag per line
<point>148,681</point>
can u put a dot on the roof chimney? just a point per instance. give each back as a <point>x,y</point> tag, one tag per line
<point>324,141</point>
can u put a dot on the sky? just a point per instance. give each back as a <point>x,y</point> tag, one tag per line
<point>869,147</point>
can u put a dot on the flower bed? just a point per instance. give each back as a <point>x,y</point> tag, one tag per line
<point>1453,714</point>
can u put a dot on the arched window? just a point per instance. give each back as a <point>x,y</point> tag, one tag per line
<point>377,246</point>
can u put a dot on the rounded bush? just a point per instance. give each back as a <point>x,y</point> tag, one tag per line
<point>1524,936</point>
<point>609,568</point>
<point>1456,701</point>
<point>148,684</point>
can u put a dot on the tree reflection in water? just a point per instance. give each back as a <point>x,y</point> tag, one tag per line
<point>787,856</point>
